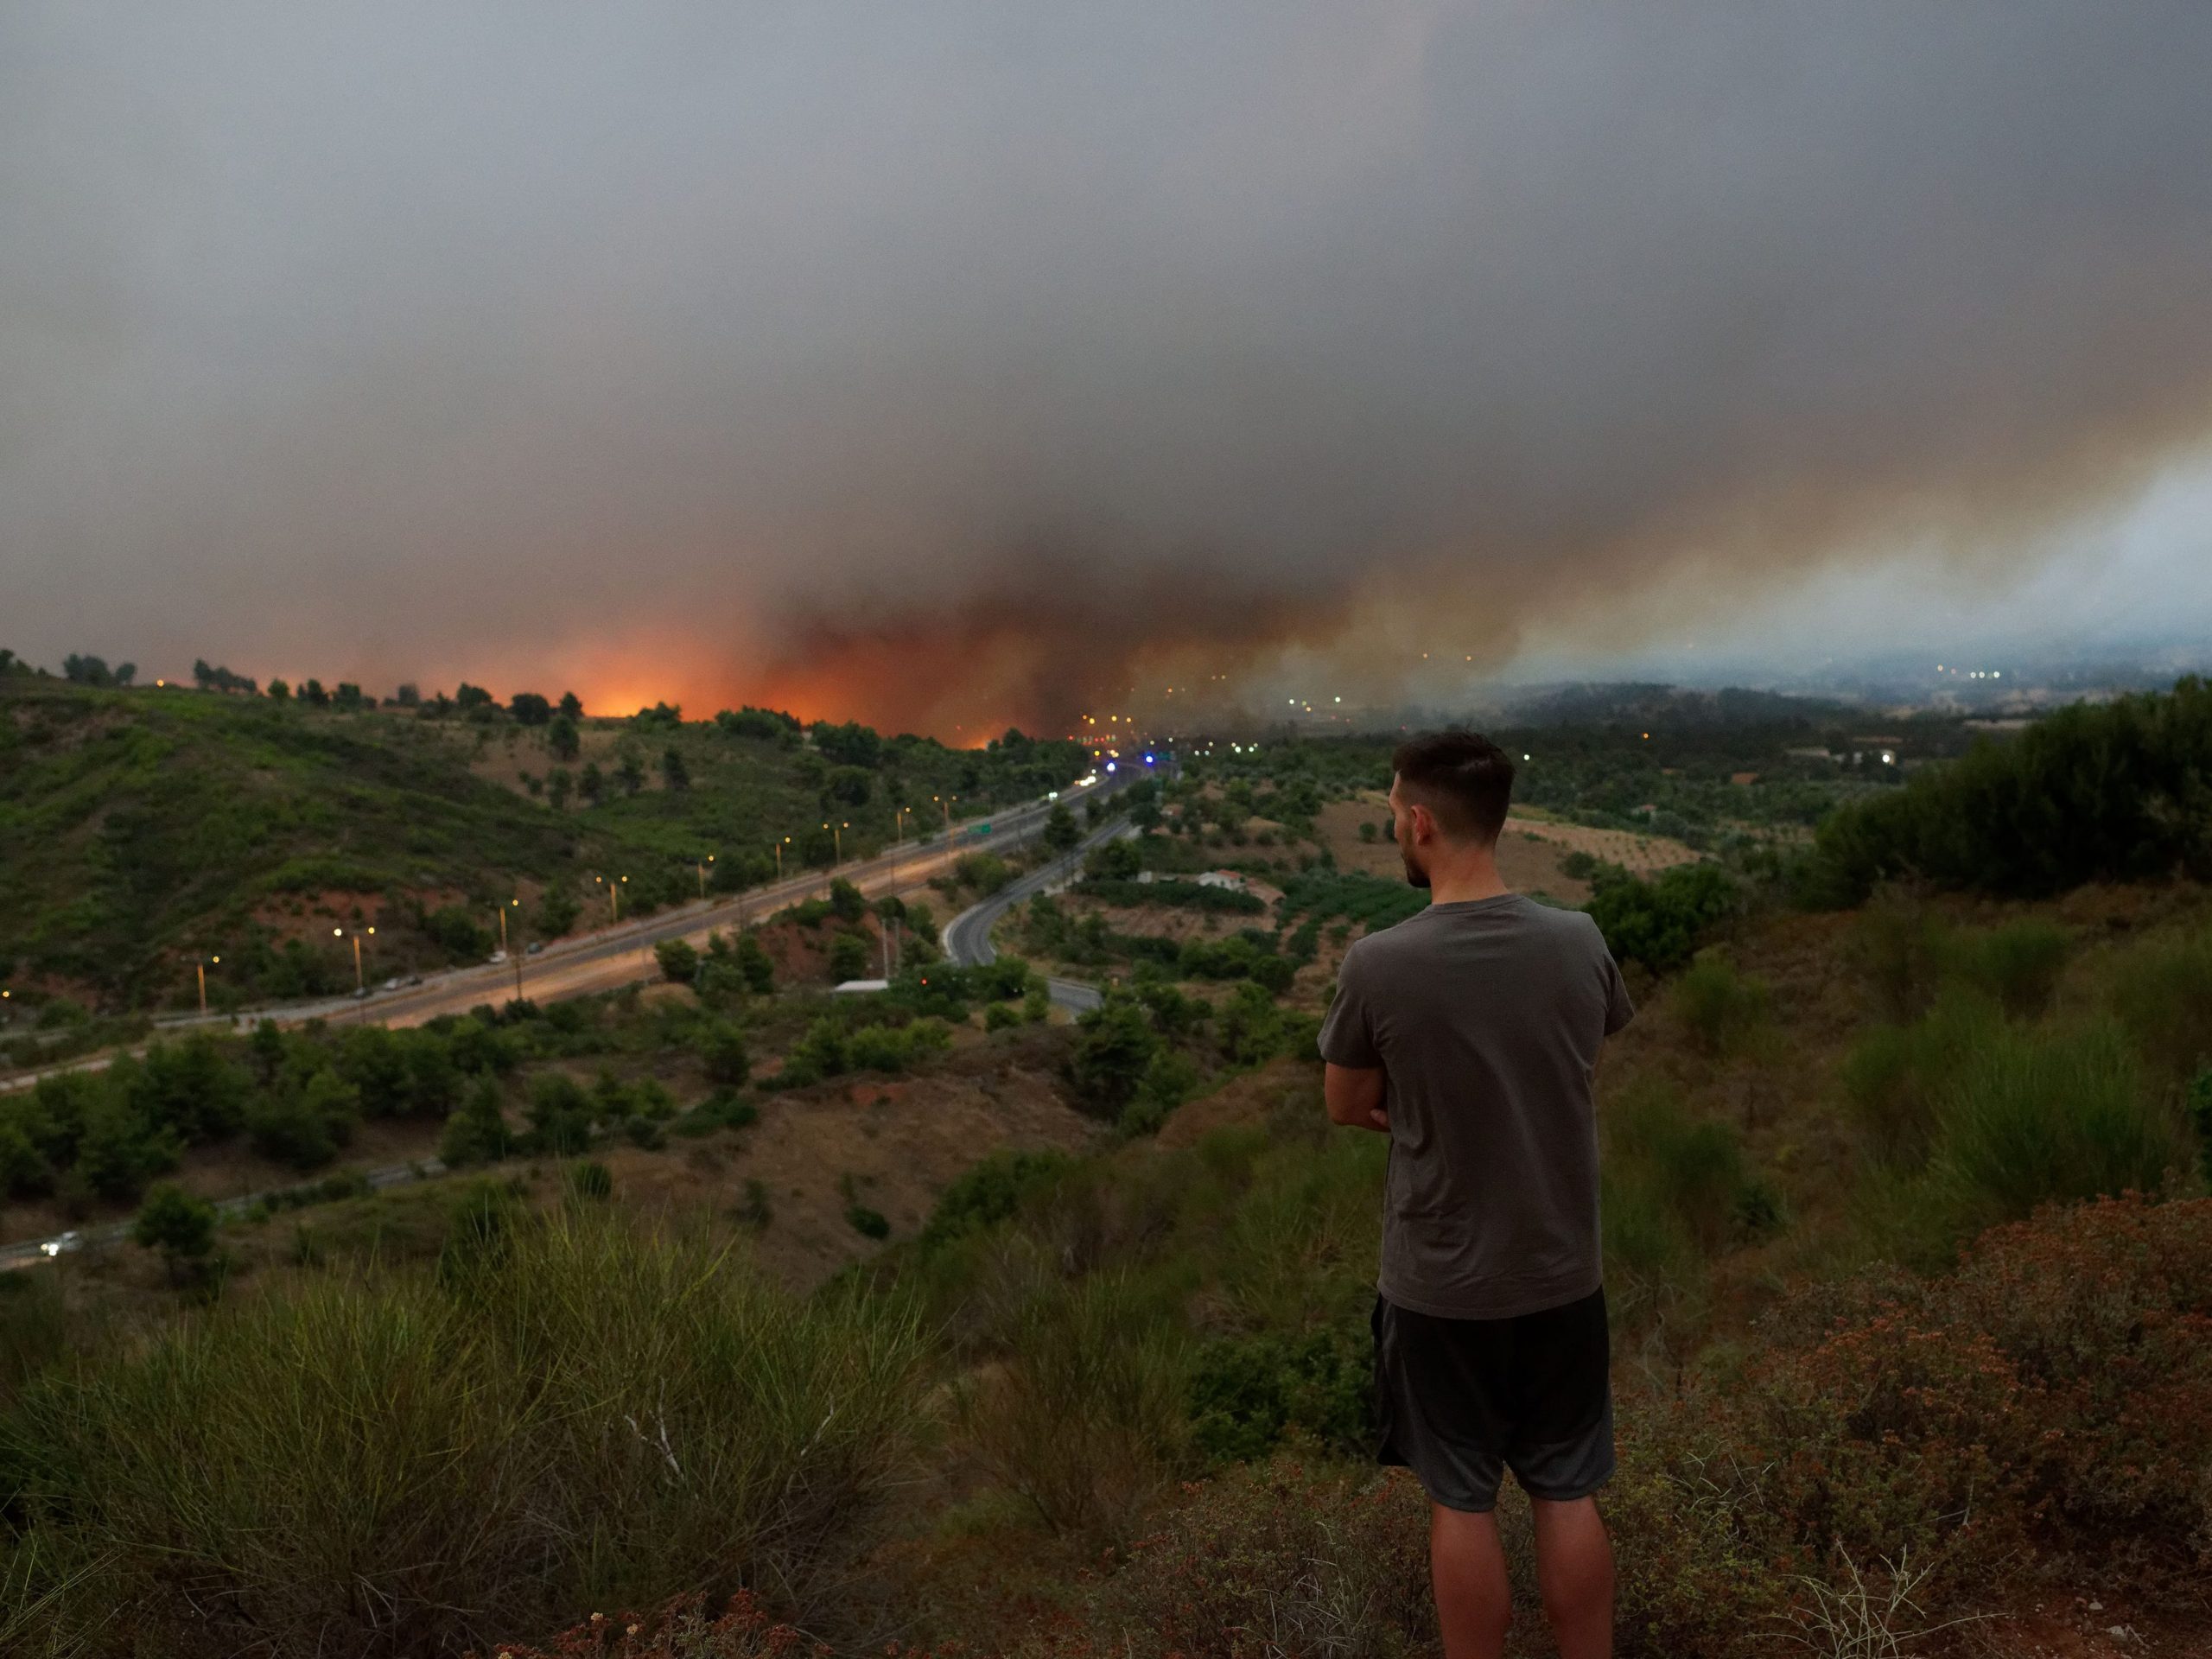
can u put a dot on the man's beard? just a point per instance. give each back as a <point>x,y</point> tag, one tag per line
<point>1415,876</point>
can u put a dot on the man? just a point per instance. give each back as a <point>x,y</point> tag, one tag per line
<point>1470,1035</point>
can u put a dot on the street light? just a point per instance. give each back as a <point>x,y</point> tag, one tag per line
<point>837,839</point>
<point>200,968</point>
<point>702,874</point>
<point>503,922</point>
<point>613,894</point>
<point>899,824</point>
<point>780,845</point>
<point>360,980</point>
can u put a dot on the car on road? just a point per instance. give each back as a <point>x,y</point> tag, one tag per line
<point>392,984</point>
<point>69,1241</point>
<point>536,945</point>
<point>497,956</point>
<point>414,979</point>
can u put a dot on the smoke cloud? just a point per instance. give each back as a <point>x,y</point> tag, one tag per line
<point>950,364</point>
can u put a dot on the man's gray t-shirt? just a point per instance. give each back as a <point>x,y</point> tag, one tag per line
<point>1486,1017</point>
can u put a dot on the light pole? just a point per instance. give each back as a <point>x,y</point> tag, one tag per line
<point>702,874</point>
<point>837,839</point>
<point>503,923</point>
<point>360,979</point>
<point>200,968</point>
<point>899,824</point>
<point>780,845</point>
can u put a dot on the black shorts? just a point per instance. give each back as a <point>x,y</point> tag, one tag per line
<point>1459,1401</point>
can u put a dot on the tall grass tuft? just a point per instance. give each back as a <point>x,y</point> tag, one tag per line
<point>2034,1116</point>
<point>2161,991</point>
<point>592,1414</point>
<point>1674,1190</point>
<point>2018,963</point>
<point>1726,1011</point>
<point>1900,946</point>
<point>1082,1416</point>
<point>1894,1077</point>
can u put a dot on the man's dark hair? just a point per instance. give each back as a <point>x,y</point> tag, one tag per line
<point>1462,777</point>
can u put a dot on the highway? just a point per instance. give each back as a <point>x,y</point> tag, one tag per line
<point>618,955</point>
<point>968,936</point>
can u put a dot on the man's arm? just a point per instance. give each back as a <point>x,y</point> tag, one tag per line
<point>1354,1094</point>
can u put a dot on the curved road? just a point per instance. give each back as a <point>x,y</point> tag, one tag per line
<point>968,936</point>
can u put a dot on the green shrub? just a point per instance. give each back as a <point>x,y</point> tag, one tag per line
<point>725,1108</point>
<point>477,1133</point>
<point>679,962</point>
<point>193,1089</point>
<point>593,1416</point>
<point>2158,991</point>
<point>1114,1046</point>
<point>2019,963</point>
<point>561,1114</point>
<point>1660,921</point>
<point>868,1224</point>
<point>304,1124</point>
<point>991,1191</point>
<point>1894,1077</point>
<point>1692,1169</point>
<point>1249,1393</point>
<point>848,957</point>
<point>117,1152</point>
<point>178,1225</point>
<point>2037,1115</point>
<point>984,873</point>
<point>753,960</point>
<point>822,1052</point>
<point>1726,1011</point>
<point>590,1181</point>
<point>1900,948</point>
<point>723,1056</point>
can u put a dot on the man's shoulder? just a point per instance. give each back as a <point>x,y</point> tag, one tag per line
<point>1560,922</point>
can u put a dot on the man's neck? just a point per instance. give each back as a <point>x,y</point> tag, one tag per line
<point>1468,875</point>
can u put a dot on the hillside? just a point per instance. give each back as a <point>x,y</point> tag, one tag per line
<point>927,1316</point>
<point>1854,1268</point>
<point>143,828</point>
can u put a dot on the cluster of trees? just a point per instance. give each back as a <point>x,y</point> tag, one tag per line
<point>769,724</point>
<point>94,670</point>
<point>1149,1045</point>
<point>294,1096</point>
<point>1661,922</point>
<point>221,679</point>
<point>724,971</point>
<point>345,696</point>
<point>2116,791</point>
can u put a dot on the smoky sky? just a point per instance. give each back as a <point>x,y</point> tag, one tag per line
<point>947,363</point>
